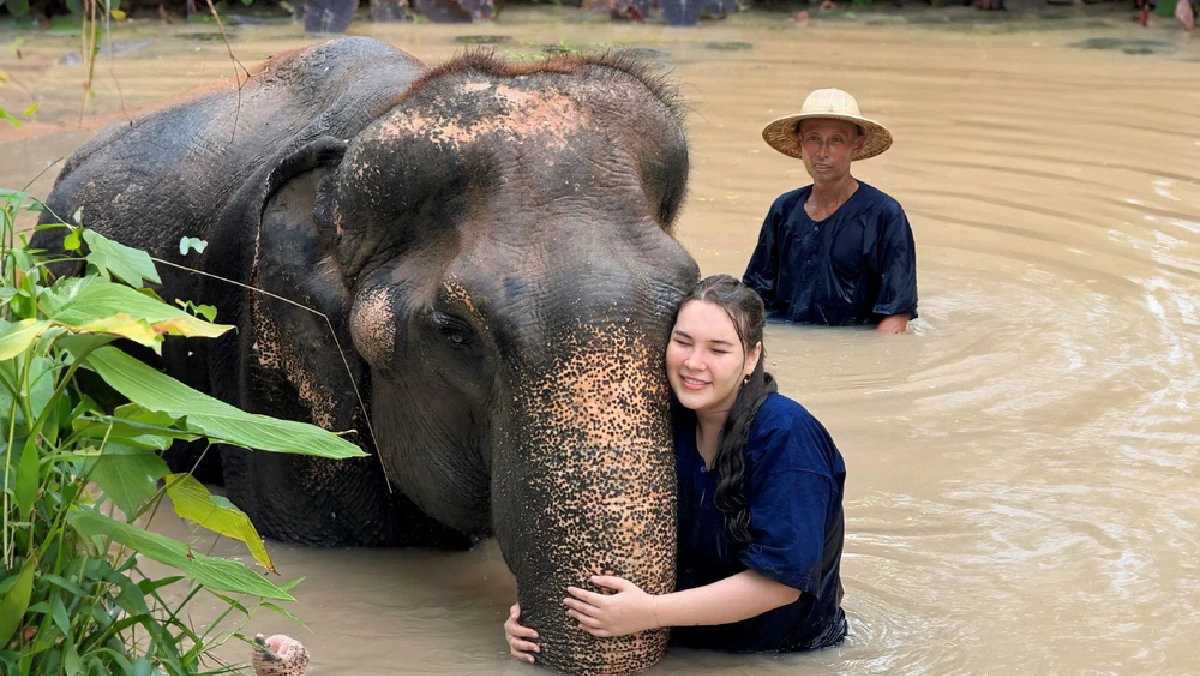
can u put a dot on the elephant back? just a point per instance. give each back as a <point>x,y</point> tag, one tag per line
<point>171,171</point>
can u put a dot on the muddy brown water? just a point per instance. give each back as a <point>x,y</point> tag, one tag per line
<point>1023,491</point>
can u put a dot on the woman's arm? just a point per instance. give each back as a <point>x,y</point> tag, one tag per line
<point>733,599</point>
<point>631,610</point>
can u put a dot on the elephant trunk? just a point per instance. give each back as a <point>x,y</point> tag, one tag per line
<point>584,484</point>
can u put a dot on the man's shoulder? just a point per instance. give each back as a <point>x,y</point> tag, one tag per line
<point>788,200</point>
<point>884,203</point>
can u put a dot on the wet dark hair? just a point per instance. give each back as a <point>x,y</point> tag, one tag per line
<point>745,309</point>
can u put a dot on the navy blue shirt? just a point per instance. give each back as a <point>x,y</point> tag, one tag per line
<point>857,266</point>
<point>794,477</point>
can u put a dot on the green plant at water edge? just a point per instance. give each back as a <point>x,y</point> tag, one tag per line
<point>82,480</point>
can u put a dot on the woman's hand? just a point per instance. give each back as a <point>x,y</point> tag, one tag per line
<point>628,611</point>
<point>516,633</point>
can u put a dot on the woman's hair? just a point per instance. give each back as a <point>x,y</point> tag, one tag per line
<point>745,310</point>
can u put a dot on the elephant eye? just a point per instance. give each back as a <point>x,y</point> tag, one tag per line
<point>455,330</point>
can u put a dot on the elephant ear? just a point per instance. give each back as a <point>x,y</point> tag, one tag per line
<point>273,238</point>
<point>236,239</point>
<point>293,358</point>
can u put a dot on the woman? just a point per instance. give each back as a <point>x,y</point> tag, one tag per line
<point>760,501</point>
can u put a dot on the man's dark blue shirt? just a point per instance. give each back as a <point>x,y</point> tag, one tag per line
<point>858,266</point>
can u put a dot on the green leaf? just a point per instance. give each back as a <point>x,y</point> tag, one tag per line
<point>39,608</point>
<point>46,340</point>
<point>27,478</point>
<point>214,573</point>
<point>131,599</point>
<point>193,502</point>
<point>131,265</point>
<point>65,584</point>
<point>150,293</point>
<point>148,586</point>
<point>50,226</point>
<point>65,290</point>
<point>231,602</point>
<point>106,307</point>
<point>207,311</point>
<point>41,385</point>
<point>71,241</point>
<point>288,586</point>
<point>128,479</point>
<point>16,337</point>
<point>134,425</point>
<point>219,421</point>
<point>271,606</point>
<point>23,260</point>
<point>72,663</point>
<point>59,613</point>
<point>188,243</point>
<point>12,607</point>
<point>84,343</point>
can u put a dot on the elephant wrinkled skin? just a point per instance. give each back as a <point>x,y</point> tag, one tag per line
<point>492,245</point>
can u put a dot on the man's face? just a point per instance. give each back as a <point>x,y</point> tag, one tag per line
<point>827,147</point>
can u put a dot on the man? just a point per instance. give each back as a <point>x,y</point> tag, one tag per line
<point>838,252</point>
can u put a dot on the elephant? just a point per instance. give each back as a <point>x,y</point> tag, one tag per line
<point>472,267</point>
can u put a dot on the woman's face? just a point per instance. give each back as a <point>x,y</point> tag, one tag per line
<point>705,359</point>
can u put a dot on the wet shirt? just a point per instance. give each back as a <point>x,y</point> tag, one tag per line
<point>855,267</point>
<point>794,477</point>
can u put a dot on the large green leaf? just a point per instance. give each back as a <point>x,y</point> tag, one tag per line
<point>41,385</point>
<point>128,478</point>
<point>15,338</point>
<point>64,290</point>
<point>133,425</point>
<point>131,265</point>
<point>193,502</point>
<point>212,572</point>
<point>126,433</point>
<point>12,607</point>
<point>219,421</point>
<point>117,309</point>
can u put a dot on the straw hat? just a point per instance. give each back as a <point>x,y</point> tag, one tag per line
<point>827,104</point>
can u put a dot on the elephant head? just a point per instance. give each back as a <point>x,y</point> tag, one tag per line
<point>514,281</point>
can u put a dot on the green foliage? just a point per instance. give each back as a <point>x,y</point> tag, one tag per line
<point>81,482</point>
<point>9,117</point>
<point>188,243</point>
